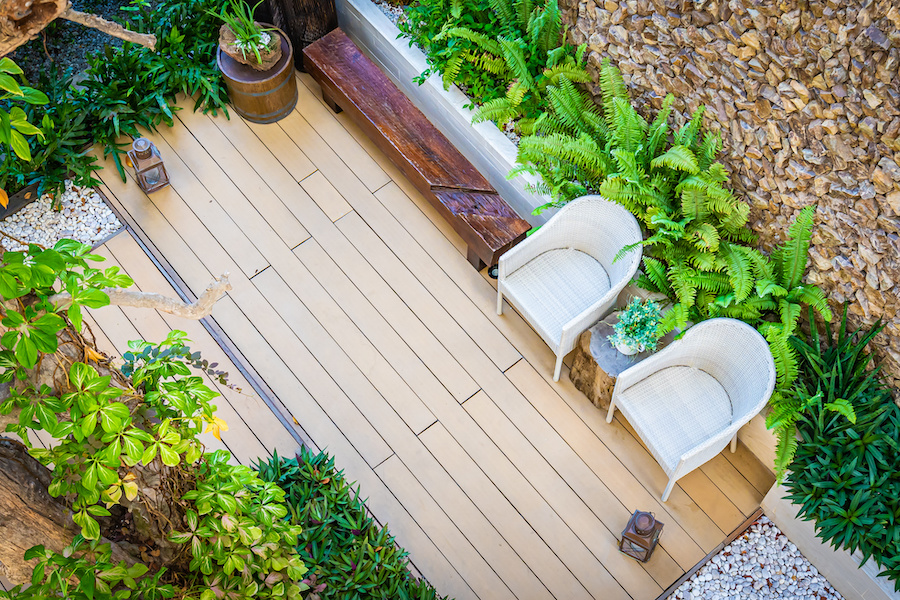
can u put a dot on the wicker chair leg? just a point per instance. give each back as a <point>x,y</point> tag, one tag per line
<point>556,372</point>
<point>499,302</point>
<point>668,490</point>
<point>734,443</point>
<point>612,410</point>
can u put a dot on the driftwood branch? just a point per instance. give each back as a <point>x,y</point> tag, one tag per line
<point>108,27</point>
<point>196,310</point>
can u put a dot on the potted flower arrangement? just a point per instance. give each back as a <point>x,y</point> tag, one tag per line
<point>245,40</point>
<point>257,64</point>
<point>636,329</point>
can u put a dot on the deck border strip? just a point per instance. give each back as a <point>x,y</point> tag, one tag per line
<point>212,327</point>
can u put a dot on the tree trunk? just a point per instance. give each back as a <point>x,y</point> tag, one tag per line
<point>304,21</point>
<point>29,516</point>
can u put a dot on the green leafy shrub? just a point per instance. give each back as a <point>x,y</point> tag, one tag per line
<point>348,554</point>
<point>118,436</point>
<point>637,326</point>
<point>845,476</point>
<point>74,576</point>
<point>834,372</point>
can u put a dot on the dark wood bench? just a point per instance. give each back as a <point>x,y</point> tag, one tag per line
<point>353,83</point>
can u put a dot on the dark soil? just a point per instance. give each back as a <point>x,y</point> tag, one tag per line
<point>67,44</point>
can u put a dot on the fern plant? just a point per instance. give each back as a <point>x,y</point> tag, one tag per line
<point>521,56</point>
<point>696,250</point>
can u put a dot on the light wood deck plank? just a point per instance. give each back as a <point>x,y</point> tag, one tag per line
<point>249,406</point>
<point>323,121</point>
<point>407,324</point>
<point>365,319</point>
<point>320,384</point>
<point>557,578</point>
<point>323,193</point>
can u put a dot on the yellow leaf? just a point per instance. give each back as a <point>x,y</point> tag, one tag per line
<point>131,490</point>
<point>128,161</point>
<point>4,198</point>
<point>217,426</point>
<point>91,354</point>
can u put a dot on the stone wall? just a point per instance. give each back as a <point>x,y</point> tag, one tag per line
<point>806,95</point>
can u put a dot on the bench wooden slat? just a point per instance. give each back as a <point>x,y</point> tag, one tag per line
<point>350,81</point>
<point>400,130</point>
<point>493,227</point>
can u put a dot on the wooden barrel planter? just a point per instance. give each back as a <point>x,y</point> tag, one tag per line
<point>261,96</point>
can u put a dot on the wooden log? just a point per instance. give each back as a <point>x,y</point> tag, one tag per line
<point>109,28</point>
<point>29,516</point>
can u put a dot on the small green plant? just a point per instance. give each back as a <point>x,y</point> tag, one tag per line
<point>85,571</point>
<point>14,125</point>
<point>834,375</point>
<point>348,554</point>
<point>638,325</point>
<point>845,475</point>
<point>249,35</point>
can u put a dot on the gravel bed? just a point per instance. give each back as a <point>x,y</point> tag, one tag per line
<point>762,564</point>
<point>394,13</point>
<point>83,216</point>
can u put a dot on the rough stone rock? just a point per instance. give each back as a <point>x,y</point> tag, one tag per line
<point>806,97</point>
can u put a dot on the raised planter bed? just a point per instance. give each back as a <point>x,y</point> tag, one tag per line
<point>483,144</point>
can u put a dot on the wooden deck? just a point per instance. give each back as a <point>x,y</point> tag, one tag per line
<point>355,305</point>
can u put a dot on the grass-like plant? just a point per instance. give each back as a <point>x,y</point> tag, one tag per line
<point>638,325</point>
<point>845,474</point>
<point>834,374</point>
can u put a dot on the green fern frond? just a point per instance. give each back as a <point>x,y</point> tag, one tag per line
<point>627,128</point>
<point>498,110</point>
<point>704,235</point>
<point>505,10</point>
<point>479,39</point>
<point>683,285</point>
<point>516,91</point>
<point>794,252</point>
<point>675,318</point>
<point>569,71</point>
<point>740,270</point>
<point>711,281</point>
<point>487,62</point>
<point>693,204</point>
<point>456,7</point>
<point>659,129</point>
<point>452,69</point>
<point>678,158</point>
<point>700,259</point>
<point>612,85</point>
<point>524,8</point>
<point>790,314</point>
<point>688,134</point>
<point>708,150</point>
<point>514,54</point>
<point>813,296</point>
<point>655,272</point>
<point>785,449</point>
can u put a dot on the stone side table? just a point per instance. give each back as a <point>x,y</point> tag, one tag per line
<point>597,363</point>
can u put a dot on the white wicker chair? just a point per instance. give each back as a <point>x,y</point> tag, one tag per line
<point>563,278</point>
<point>688,400</point>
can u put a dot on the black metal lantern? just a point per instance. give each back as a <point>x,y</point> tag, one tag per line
<point>640,536</point>
<point>148,165</point>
